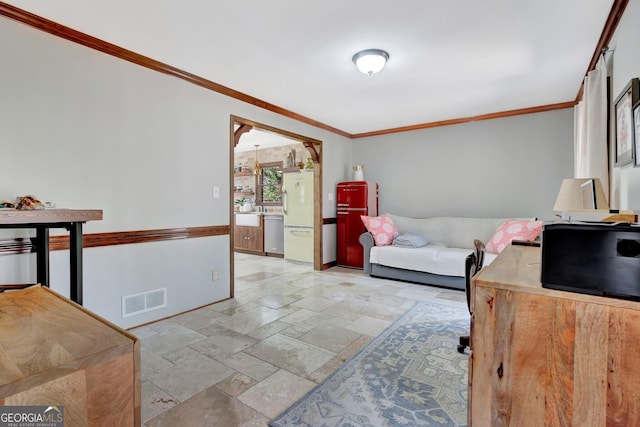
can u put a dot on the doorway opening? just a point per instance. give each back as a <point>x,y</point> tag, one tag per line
<point>256,182</point>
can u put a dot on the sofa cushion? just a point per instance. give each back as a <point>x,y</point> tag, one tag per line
<point>381,227</point>
<point>434,259</point>
<point>513,230</point>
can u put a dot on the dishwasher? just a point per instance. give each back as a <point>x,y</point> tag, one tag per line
<point>274,234</point>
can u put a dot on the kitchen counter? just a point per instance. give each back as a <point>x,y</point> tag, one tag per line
<point>259,232</point>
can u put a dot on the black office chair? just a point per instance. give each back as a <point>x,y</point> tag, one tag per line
<point>473,263</point>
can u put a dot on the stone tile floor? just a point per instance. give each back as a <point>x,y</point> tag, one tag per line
<point>243,361</point>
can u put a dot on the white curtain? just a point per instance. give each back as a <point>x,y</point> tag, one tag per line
<point>590,128</point>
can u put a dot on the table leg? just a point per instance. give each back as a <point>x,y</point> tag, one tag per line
<point>42,255</point>
<point>75,261</point>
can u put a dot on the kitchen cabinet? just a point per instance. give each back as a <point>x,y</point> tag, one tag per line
<point>248,239</point>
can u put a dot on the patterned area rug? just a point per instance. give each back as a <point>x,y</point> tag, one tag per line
<point>410,375</point>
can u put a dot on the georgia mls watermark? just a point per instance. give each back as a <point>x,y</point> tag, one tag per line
<point>31,416</point>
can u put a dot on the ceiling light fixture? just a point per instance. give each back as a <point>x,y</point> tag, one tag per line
<point>370,61</point>
<point>256,164</point>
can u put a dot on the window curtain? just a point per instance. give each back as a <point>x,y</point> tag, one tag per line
<point>590,128</point>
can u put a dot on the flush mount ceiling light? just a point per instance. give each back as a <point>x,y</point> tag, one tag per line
<point>370,61</point>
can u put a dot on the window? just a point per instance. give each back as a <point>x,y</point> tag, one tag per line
<point>269,184</point>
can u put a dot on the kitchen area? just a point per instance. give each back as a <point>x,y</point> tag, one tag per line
<point>273,197</point>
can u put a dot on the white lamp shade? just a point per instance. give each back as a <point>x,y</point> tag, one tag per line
<point>370,61</point>
<point>580,194</point>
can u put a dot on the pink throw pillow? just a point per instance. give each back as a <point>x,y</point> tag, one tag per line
<point>513,229</point>
<point>381,227</point>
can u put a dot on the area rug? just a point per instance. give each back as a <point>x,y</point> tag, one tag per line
<point>410,375</point>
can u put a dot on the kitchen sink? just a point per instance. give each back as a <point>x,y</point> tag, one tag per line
<point>248,219</point>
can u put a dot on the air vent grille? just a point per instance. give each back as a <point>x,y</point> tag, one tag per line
<point>143,302</point>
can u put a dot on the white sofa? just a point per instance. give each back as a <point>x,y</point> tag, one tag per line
<point>441,262</point>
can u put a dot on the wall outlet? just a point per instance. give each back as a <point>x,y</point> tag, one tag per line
<point>330,196</point>
<point>214,275</point>
<point>216,192</point>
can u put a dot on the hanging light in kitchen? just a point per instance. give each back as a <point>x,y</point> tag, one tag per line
<point>256,165</point>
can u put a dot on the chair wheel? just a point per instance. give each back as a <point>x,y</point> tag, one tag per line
<point>461,348</point>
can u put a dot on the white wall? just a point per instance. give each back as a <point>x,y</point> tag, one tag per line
<point>626,65</point>
<point>87,130</point>
<point>508,167</point>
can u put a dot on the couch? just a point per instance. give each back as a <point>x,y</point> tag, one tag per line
<point>441,262</point>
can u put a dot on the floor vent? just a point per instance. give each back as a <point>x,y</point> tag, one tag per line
<point>146,301</point>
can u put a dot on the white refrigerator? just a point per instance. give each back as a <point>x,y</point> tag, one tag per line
<point>297,205</point>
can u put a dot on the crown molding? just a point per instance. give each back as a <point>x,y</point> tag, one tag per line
<point>490,116</point>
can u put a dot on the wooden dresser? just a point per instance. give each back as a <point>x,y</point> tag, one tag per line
<point>542,357</point>
<point>53,352</point>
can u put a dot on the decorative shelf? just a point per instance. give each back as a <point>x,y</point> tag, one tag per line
<point>245,173</point>
<point>244,193</point>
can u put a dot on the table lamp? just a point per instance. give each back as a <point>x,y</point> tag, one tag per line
<point>582,195</point>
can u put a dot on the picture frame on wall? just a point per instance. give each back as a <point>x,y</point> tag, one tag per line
<point>636,134</point>
<point>624,124</point>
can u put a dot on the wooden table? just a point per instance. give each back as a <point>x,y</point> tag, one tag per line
<point>543,357</point>
<point>44,219</point>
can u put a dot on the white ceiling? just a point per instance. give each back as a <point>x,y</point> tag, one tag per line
<point>448,59</point>
<point>263,139</point>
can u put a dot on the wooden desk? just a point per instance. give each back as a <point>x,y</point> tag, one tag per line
<point>542,357</point>
<point>56,353</point>
<point>43,220</point>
